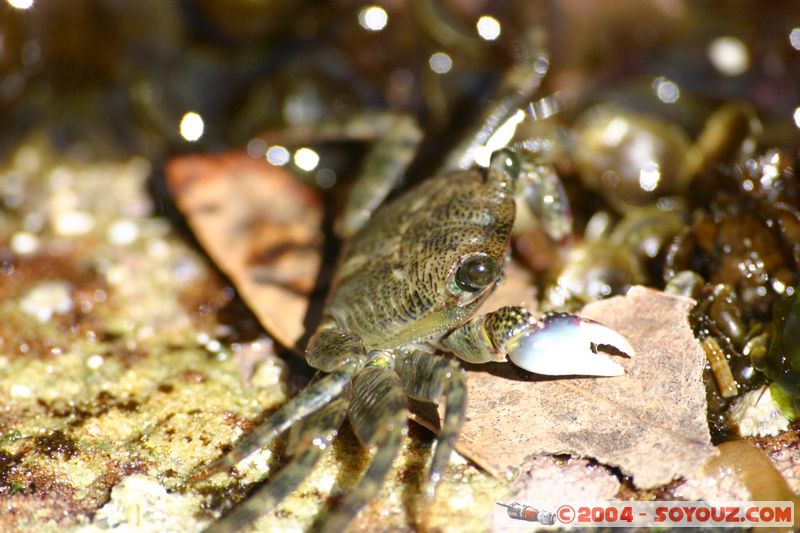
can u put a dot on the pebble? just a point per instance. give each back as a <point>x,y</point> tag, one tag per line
<point>755,415</point>
<point>140,503</point>
<point>254,467</point>
<point>24,243</point>
<point>122,233</point>
<point>47,299</point>
<point>213,345</point>
<point>94,362</point>
<point>73,223</point>
<point>20,391</point>
<point>268,373</point>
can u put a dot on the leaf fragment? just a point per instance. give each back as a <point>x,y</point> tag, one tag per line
<point>651,423</point>
<point>262,228</point>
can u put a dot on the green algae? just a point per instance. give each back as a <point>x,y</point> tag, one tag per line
<point>110,403</point>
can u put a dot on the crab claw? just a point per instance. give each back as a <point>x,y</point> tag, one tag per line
<point>561,344</point>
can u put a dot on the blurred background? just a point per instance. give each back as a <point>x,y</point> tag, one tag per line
<point>155,76</point>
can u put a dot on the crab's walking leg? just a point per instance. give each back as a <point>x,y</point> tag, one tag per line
<point>312,399</point>
<point>426,377</point>
<point>515,91</point>
<point>446,29</point>
<point>308,441</point>
<point>378,416</point>
<point>384,167</point>
<point>556,344</point>
<point>544,193</point>
<point>396,139</point>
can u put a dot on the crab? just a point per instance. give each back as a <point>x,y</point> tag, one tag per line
<point>409,283</point>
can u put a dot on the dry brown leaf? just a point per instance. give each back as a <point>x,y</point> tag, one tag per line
<point>260,226</point>
<point>651,423</point>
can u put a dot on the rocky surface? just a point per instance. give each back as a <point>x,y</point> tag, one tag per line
<point>126,361</point>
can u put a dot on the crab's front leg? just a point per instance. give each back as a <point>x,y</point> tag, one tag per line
<point>555,344</point>
<point>395,140</point>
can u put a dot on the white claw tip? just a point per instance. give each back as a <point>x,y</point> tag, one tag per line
<point>564,345</point>
<point>602,335</point>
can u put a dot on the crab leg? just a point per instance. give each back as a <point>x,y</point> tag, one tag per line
<point>557,344</point>
<point>309,441</point>
<point>425,377</point>
<point>544,193</point>
<point>515,90</point>
<point>378,416</point>
<point>396,138</point>
<point>384,167</point>
<point>312,399</point>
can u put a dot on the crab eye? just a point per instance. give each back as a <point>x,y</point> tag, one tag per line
<point>507,162</point>
<point>476,272</point>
